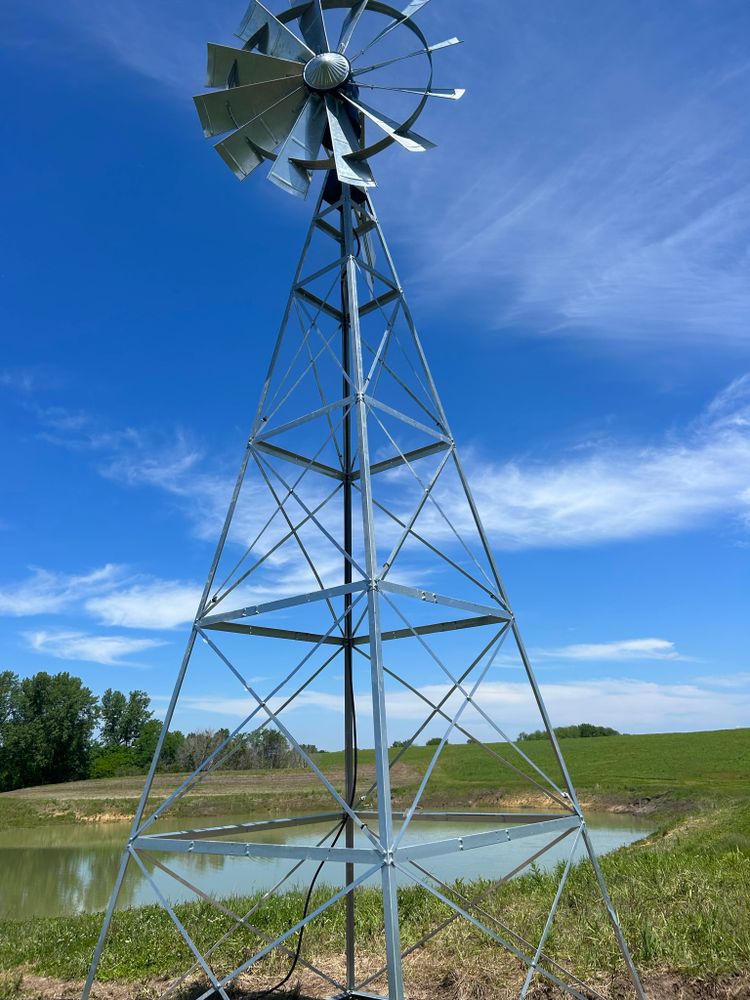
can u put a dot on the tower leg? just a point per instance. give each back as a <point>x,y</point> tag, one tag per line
<point>632,971</point>
<point>139,811</point>
<point>382,769</point>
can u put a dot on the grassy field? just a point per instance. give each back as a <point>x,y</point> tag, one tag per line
<point>683,899</point>
<point>683,895</point>
<point>662,772</point>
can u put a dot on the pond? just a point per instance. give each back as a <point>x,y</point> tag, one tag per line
<point>68,869</point>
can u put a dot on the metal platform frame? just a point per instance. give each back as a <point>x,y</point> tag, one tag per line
<point>356,606</point>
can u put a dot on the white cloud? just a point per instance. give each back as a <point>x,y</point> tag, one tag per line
<point>739,680</point>
<point>138,462</point>
<point>625,649</point>
<point>110,650</point>
<point>580,214</point>
<point>618,491</point>
<point>111,594</point>
<point>601,492</point>
<point>626,704</point>
<point>154,604</point>
<point>47,592</point>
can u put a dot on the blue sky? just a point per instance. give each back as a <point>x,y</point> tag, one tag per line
<point>575,251</point>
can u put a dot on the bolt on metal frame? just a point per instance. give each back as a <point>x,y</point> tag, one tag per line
<point>354,612</point>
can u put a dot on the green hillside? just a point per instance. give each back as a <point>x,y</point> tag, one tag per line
<point>666,772</point>
<point>682,766</point>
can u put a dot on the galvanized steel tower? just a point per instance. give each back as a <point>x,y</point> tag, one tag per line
<point>352,568</point>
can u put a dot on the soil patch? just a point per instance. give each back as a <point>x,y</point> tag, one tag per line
<point>442,984</point>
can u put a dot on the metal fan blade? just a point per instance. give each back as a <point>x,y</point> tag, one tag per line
<point>350,23</point>
<point>409,140</point>
<point>344,141</point>
<point>261,29</point>
<point>244,150</point>
<point>313,27</point>
<point>225,110</point>
<point>302,143</point>
<point>410,55</point>
<point>449,93</point>
<point>237,67</point>
<point>406,13</point>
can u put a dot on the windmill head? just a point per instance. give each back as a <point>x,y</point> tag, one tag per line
<point>292,94</point>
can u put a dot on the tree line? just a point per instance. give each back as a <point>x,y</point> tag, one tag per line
<point>54,729</point>
<point>582,731</point>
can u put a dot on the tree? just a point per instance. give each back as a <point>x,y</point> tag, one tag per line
<point>145,745</point>
<point>135,717</point>
<point>8,683</point>
<point>123,718</point>
<point>434,741</point>
<point>113,708</point>
<point>8,686</point>
<point>46,728</point>
<point>270,746</point>
<point>197,746</point>
<point>585,729</point>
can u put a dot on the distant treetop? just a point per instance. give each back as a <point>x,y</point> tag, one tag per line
<point>583,730</point>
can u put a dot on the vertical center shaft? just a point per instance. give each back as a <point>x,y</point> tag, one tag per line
<point>349,722</point>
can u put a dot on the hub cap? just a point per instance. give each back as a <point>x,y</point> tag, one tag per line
<point>327,71</point>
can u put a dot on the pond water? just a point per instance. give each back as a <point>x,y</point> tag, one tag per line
<point>49,871</point>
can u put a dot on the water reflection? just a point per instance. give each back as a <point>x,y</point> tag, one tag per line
<point>71,869</point>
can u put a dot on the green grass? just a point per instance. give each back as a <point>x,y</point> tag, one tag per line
<point>683,898</point>
<point>674,770</point>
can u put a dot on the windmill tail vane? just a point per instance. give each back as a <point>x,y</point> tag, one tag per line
<point>353,580</point>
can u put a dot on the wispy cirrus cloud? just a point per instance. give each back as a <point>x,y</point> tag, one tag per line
<point>50,592</point>
<point>623,650</point>
<point>576,213</point>
<point>618,491</point>
<point>568,209</point>
<point>595,493</point>
<point>740,680</point>
<point>20,379</point>
<point>165,45</point>
<point>152,604</point>
<point>109,650</point>
<point>112,595</point>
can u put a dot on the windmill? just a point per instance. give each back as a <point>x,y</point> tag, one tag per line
<point>352,562</point>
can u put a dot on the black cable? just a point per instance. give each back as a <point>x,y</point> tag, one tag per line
<point>319,869</point>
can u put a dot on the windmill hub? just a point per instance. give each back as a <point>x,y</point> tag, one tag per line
<point>327,71</point>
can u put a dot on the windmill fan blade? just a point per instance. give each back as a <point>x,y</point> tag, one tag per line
<point>302,143</point>
<point>407,12</point>
<point>225,110</point>
<point>225,62</point>
<point>243,151</point>
<point>344,141</point>
<point>261,29</point>
<point>449,93</point>
<point>313,27</point>
<point>350,23</point>
<point>409,140</point>
<point>409,55</point>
